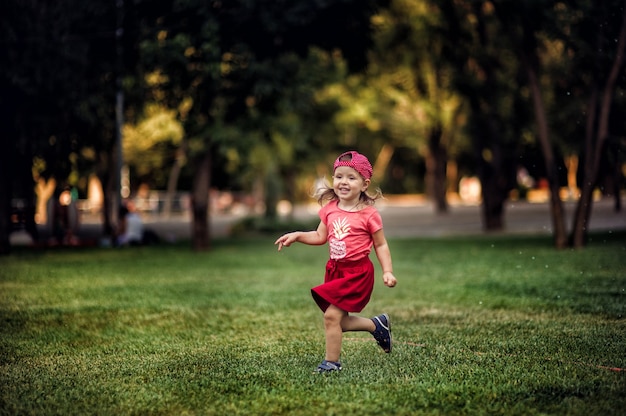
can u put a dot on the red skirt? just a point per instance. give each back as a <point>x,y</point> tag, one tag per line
<point>347,285</point>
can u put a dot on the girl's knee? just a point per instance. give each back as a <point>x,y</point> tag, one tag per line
<point>333,316</point>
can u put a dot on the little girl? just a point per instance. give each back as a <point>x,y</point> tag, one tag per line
<point>351,225</point>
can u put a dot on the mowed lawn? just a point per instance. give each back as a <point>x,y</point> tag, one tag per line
<point>482,325</point>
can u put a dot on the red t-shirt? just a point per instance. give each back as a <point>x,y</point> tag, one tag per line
<point>350,233</point>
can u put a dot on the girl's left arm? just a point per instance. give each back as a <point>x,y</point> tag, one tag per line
<point>384,258</point>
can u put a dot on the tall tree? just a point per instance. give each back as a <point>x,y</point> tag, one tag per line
<point>486,69</point>
<point>607,19</point>
<point>415,82</point>
<point>54,92</point>
<point>209,53</point>
<point>521,22</point>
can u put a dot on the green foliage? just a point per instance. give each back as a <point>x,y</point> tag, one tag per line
<point>249,71</point>
<point>298,81</point>
<point>487,325</point>
<point>151,144</point>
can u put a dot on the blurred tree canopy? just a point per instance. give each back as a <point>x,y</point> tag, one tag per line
<point>261,95</point>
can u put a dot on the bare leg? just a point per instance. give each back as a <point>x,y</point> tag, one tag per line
<point>333,318</point>
<point>336,322</point>
<point>357,323</point>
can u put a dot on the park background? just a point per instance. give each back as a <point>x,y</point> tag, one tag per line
<point>205,105</point>
<point>497,135</point>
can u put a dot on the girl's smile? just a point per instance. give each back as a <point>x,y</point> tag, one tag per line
<point>348,185</point>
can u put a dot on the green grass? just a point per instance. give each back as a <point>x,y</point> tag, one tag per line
<point>482,325</point>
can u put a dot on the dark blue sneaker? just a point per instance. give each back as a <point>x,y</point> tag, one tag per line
<point>382,333</point>
<point>328,367</point>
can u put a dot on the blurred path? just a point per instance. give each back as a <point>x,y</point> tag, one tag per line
<point>520,218</point>
<point>403,217</point>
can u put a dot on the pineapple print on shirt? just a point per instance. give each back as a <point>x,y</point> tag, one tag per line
<point>341,228</point>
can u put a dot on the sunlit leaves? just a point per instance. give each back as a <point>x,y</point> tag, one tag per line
<point>150,144</point>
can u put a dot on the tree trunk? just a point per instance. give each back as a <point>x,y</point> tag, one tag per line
<point>495,171</point>
<point>382,162</point>
<point>616,173</point>
<point>583,208</point>
<point>436,162</point>
<point>491,181</point>
<point>172,181</point>
<point>107,222</point>
<point>5,200</point>
<point>7,144</point>
<point>593,155</point>
<point>556,206</point>
<point>27,193</point>
<point>488,145</point>
<point>200,230</point>
<point>109,175</point>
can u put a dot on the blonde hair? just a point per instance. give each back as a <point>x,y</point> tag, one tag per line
<point>325,194</point>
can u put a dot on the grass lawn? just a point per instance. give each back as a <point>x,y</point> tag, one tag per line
<point>482,325</point>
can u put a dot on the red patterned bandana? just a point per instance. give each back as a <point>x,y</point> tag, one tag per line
<point>355,161</point>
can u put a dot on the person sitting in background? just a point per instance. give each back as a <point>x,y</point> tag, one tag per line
<point>130,231</point>
<point>64,218</point>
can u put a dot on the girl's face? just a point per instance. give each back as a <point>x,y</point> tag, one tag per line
<point>348,183</point>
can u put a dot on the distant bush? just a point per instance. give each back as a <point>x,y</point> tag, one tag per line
<point>262,225</point>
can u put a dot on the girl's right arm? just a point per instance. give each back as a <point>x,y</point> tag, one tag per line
<point>313,238</point>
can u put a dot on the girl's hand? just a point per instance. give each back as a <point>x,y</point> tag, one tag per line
<point>389,279</point>
<point>286,240</point>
